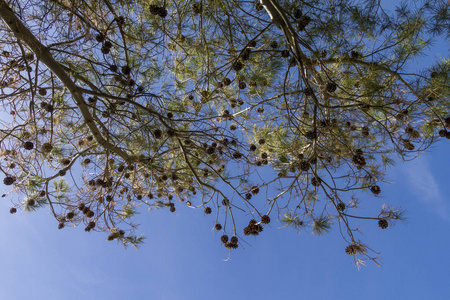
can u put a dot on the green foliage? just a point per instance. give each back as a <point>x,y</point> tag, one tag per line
<point>172,102</point>
<point>289,219</point>
<point>321,225</point>
<point>128,211</point>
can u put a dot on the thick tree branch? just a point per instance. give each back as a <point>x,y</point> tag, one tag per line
<point>44,55</point>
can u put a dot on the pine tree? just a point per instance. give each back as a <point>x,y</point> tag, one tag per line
<point>213,102</point>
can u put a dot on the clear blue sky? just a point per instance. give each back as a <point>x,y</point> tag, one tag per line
<point>183,259</point>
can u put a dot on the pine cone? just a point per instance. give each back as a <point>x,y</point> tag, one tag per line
<point>126,70</point>
<point>154,9</point>
<point>365,131</point>
<point>162,12</point>
<point>157,133</point>
<point>28,145</point>
<point>383,224</point>
<point>375,189</point>
<point>197,8</point>
<point>237,66</point>
<point>311,135</point>
<point>105,50</point>
<point>42,91</point>
<point>8,180</point>
<point>47,147</point>
<point>359,160</point>
<point>227,81</point>
<point>99,37</point>
<point>254,190</point>
<point>112,68</point>
<point>331,87</point>
<point>315,181</point>
<point>340,206</point>
<point>303,22</point>
<point>120,20</point>
<point>230,245</point>
<point>351,249</point>
<point>237,155</point>
<point>265,219</point>
<point>408,145</point>
<point>447,122</point>
<point>256,229</point>
<point>224,238</point>
<point>247,231</point>
<point>246,54</point>
<point>308,91</point>
<point>354,54</point>
<point>304,166</point>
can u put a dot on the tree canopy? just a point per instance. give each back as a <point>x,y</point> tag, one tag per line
<point>249,111</point>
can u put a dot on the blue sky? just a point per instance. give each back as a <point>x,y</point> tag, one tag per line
<point>183,258</point>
